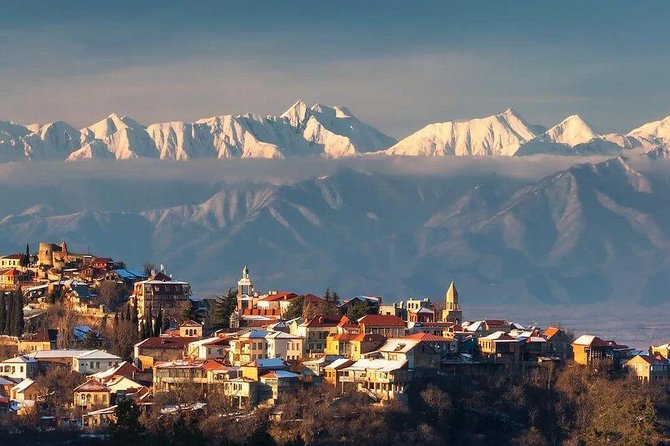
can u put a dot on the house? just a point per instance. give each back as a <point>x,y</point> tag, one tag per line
<point>94,361</point>
<point>364,343</point>
<point>255,369</point>
<point>499,346</point>
<point>347,326</point>
<point>588,349</point>
<point>649,368</point>
<point>161,349</point>
<point>419,351</point>
<point>11,261</point>
<point>317,366</point>
<point>170,375</point>
<point>315,333</point>
<point>274,385</point>
<point>284,345</point>
<point>444,329</point>
<point>373,303</point>
<point>91,395</point>
<point>382,378</point>
<point>339,344</point>
<point>46,339</point>
<point>159,290</point>
<point>248,347</point>
<point>12,278</point>
<point>103,263</point>
<point>125,369</point>
<point>422,314</point>
<point>330,371</point>
<point>216,347</point>
<point>663,350</point>
<point>387,325</point>
<point>242,391</point>
<point>27,390</point>
<point>274,300</point>
<point>20,367</point>
<point>558,343</point>
<point>190,329</point>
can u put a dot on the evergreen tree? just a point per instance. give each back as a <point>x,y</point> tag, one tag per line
<point>158,323</point>
<point>9,321</point>
<point>150,322</point>
<point>134,316</point>
<point>220,309</point>
<point>143,330</point>
<point>17,324</point>
<point>3,313</point>
<point>128,317</point>
<point>295,308</point>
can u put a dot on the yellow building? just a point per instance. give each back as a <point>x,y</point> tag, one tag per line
<point>452,310</point>
<point>649,368</point>
<point>92,395</point>
<point>42,340</point>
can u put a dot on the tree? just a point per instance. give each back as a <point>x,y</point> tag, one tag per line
<point>17,323</point>
<point>9,321</point>
<point>158,322</point>
<point>330,304</point>
<point>358,309</point>
<point>60,382</point>
<point>112,294</point>
<point>25,259</point>
<point>148,268</point>
<point>128,427</point>
<point>3,313</point>
<point>220,309</point>
<point>190,313</point>
<point>295,308</point>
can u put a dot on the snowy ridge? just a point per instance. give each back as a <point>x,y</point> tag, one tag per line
<point>319,130</point>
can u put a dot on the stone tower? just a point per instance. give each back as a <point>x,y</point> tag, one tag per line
<point>452,310</point>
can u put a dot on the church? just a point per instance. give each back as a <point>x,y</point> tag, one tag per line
<point>452,309</point>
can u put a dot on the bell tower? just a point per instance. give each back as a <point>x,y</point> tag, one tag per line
<point>452,310</point>
<point>245,290</point>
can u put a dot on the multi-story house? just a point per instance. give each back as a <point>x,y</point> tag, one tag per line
<point>284,345</point>
<point>500,346</point>
<point>46,339</point>
<point>92,395</point>
<point>315,333</point>
<point>649,368</point>
<point>159,290</point>
<point>248,347</point>
<point>19,367</point>
<point>386,325</point>
<point>385,379</point>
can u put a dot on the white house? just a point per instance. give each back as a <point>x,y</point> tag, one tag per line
<point>19,367</point>
<point>94,361</point>
<point>209,348</point>
<point>284,345</point>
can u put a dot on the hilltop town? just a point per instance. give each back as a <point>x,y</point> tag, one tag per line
<point>86,341</point>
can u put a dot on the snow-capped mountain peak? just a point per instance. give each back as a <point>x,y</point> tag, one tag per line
<point>572,131</point>
<point>657,129</point>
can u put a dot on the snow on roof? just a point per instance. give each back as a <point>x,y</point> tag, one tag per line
<point>590,340</point>
<point>281,374</point>
<point>23,385</point>
<point>399,345</point>
<point>97,354</point>
<point>339,363</point>
<point>114,370</point>
<point>21,359</point>
<point>383,365</point>
<point>500,336</point>
<point>281,334</point>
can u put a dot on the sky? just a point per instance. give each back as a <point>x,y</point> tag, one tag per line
<point>397,65</point>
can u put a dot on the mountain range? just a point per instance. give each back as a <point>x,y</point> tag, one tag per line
<point>586,234</point>
<point>321,131</point>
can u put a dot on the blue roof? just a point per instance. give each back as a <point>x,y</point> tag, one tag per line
<point>130,274</point>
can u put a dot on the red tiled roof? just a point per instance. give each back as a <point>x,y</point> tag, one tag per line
<point>102,260</point>
<point>92,385</point>
<point>345,321</point>
<point>313,299</point>
<point>381,320</point>
<point>369,337</point>
<point>213,364</point>
<point>167,342</point>
<point>281,295</point>
<point>550,332</point>
<point>261,312</point>
<point>343,337</point>
<point>427,337</point>
<point>322,321</point>
<point>46,335</point>
<point>495,322</point>
<point>14,256</point>
<point>190,324</point>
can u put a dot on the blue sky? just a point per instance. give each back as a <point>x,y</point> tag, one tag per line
<point>397,65</point>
